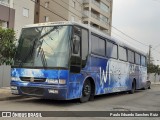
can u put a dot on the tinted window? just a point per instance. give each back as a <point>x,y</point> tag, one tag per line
<point>137,59</point>
<point>98,45</point>
<point>143,60</point>
<point>112,50</point>
<point>130,56</point>
<point>84,44</point>
<point>122,54</point>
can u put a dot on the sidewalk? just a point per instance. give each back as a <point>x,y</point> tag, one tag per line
<point>155,83</point>
<point>5,94</point>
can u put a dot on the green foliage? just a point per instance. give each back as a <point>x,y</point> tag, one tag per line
<point>7,46</point>
<point>151,68</point>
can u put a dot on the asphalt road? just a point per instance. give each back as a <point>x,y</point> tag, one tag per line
<point>142,100</point>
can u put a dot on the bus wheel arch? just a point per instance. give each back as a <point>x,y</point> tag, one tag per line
<point>90,82</point>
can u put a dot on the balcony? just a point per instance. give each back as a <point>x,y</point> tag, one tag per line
<point>95,16</point>
<point>86,1</point>
<point>5,3</point>
<point>85,13</point>
<point>96,3</point>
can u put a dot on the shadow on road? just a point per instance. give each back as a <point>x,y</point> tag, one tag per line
<point>65,103</point>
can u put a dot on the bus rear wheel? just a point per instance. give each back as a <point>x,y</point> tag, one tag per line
<point>86,91</point>
<point>133,87</point>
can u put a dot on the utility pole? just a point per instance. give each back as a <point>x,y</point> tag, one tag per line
<point>149,59</point>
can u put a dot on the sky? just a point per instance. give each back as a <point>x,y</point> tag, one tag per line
<point>140,19</point>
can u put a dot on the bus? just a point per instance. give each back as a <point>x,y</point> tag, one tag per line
<point>67,60</point>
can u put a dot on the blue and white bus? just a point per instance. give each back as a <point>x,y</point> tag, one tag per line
<point>69,60</point>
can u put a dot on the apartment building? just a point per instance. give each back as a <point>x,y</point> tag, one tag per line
<point>98,14</point>
<point>15,14</point>
<point>58,10</point>
<point>24,14</point>
<point>7,14</point>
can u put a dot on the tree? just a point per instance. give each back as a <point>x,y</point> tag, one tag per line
<point>7,46</point>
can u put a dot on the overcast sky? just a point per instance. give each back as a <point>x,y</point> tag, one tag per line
<point>139,19</point>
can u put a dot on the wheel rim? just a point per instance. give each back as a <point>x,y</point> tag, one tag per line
<point>86,90</point>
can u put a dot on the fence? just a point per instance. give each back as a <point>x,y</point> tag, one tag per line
<point>5,76</point>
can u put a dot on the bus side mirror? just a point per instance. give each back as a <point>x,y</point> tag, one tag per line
<point>76,46</point>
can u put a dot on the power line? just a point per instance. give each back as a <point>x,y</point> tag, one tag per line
<point>65,8</point>
<point>100,19</point>
<point>156,46</point>
<point>129,36</point>
<point>110,25</point>
<point>49,10</point>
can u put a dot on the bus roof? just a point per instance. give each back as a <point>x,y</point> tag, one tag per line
<point>94,30</point>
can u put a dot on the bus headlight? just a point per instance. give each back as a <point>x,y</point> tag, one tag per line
<point>15,79</point>
<point>62,81</point>
<point>56,81</point>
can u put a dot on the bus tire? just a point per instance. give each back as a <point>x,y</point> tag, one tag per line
<point>133,87</point>
<point>86,91</point>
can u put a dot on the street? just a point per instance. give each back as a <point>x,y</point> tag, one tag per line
<point>142,100</point>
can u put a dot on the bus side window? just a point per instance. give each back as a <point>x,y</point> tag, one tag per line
<point>137,59</point>
<point>122,54</point>
<point>131,56</point>
<point>143,61</point>
<point>112,50</point>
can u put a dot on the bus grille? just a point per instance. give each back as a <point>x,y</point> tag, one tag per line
<point>32,90</point>
<point>30,79</point>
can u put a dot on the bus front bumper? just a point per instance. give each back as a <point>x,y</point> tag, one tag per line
<point>56,92</point>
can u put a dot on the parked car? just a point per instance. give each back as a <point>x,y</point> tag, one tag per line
<point>148,84</point>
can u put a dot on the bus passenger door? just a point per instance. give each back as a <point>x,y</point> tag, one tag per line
<point>76,62</point>
<point>80,48</point>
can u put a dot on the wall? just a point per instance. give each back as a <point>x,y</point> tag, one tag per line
<point>58,7</point>
<point>7,14</point>
<point>5,76</point>
<point>20,20</point>
<point>154,78</point>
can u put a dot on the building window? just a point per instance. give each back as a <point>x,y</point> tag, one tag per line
<point>46,18</point>
<point>25,12</point>
<point>46,4</point>
<point>104,7</point>
<point>5,2</point>
<point>3,24</point>
<point>103,19</point>
<point>73,3</point>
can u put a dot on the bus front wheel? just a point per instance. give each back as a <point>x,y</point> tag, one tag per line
<point>86,91</point>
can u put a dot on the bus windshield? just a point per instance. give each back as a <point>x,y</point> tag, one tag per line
<point>44,47</point>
